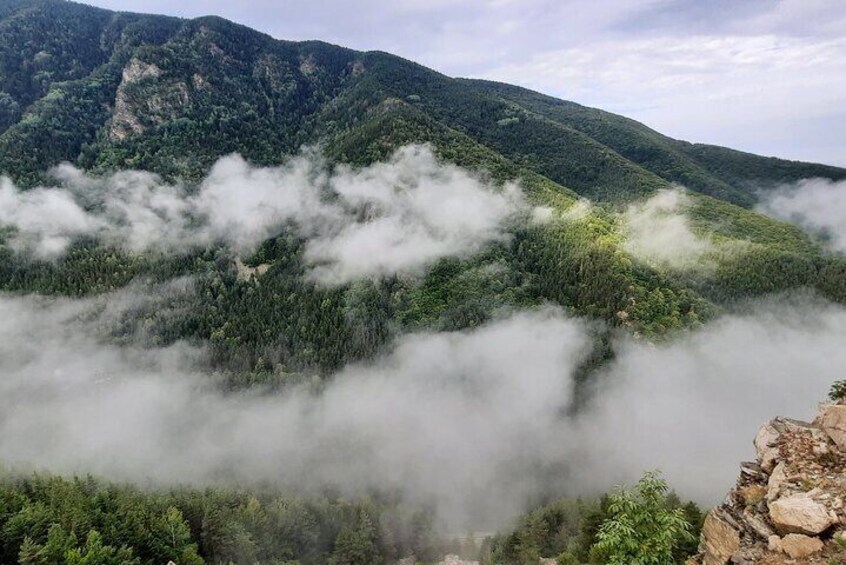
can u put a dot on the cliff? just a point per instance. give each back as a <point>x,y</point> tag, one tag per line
<point>788,505</point>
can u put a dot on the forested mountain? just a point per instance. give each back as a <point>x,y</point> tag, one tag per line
<point>108,92</point>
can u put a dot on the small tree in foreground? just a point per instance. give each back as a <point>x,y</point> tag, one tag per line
<point>641,528</point>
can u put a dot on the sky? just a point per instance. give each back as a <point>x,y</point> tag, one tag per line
<point>767,76</point>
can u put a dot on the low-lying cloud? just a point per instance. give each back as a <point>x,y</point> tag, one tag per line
<point>390,217</point>
<point>476,422</point>
<point>659,232</point>
<point>816,205</point>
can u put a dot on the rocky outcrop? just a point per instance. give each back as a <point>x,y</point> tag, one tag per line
<point>801,514</point>
<point>145,97</point>
<point>832,419</point>
<point>246,273</point>
<point>720,538</point>
<point>789,506</point>
<point>798,546</point>
<point>124,121</point>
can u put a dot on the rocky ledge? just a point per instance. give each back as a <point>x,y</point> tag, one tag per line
<point>789,506</point>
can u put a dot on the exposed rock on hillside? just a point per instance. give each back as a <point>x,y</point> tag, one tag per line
<point>788,505</point>
<point>143,98</point>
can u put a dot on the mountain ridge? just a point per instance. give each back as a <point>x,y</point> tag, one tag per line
<point>600,155</point>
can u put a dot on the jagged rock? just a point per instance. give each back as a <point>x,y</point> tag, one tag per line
<point>747,556</point>
<point>757,524</point>
<point>753,494</point>
<point>720,540</point>
<point>766,446</point>
<point>752,471</point>
<point>801,471</point>
<point>798,546</point>
<point>777,479</point>
<point>832,419</point>
<point>410,560</point>
<point>800,514</point>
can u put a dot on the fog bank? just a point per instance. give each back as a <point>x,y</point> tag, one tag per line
<point>472,421</point>
<point>817,205</point>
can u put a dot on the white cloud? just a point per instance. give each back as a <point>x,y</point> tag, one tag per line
<point>691,407</point>
<point>818,205</point>
<point>458,419</point>
<point>658,231</point>
<point>397,216</point>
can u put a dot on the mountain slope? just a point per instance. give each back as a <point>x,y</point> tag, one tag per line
<point>723,173</point>
<point>109,91</point>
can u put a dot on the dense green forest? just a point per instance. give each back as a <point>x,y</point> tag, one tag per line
<point>46,519</point>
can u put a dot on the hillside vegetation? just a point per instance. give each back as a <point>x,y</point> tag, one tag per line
<point>109,91</point>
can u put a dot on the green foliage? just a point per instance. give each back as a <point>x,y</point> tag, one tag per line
<point>641,529</point>
<point>838,391</point>
<point>223,88</point>
<point>357,545</point>
<point>95,553</point>
<point>546,531</point>
<point>46,520</point>
<point>723,173</point>
<point>570,530</point>
<point>219,88</point>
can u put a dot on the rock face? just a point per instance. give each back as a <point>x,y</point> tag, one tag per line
<point>720,538</point>
<point>145,98</point>
<point>798,546</point>
<point>801,514</point>
<point>832,419</point>
<point>789,506</point>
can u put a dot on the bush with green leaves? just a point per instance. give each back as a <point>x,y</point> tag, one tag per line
<point>641,529</point>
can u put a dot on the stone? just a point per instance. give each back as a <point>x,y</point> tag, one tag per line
<point>799,546</point>
<point>766,446</point>
<point>752,470</point>
<point>774,543</point>
<point>757,524</point>
<point>754,493</point>
<point>719,540</point>
<point>832,419</point>
<point>777,479</point>
<point>800,514</point>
